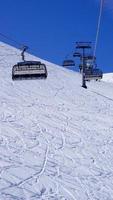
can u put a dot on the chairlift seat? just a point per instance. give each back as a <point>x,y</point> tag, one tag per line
<point>67,63</point>
<point>29,70</point>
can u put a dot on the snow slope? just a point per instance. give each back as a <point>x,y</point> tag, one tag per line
<point>108,77</point>
<point>56,140</point>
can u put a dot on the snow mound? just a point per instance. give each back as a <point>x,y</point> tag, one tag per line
<point>56,138</point>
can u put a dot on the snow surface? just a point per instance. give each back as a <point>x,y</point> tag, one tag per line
<point>56,140</point>
<point>108,77</point>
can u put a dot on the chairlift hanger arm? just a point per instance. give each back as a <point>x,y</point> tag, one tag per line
<point>23,51</point>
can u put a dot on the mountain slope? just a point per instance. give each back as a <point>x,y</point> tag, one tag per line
<point>108,77</point>
<point>56,138</point>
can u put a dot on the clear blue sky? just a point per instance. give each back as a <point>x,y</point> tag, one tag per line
<point>51,27</point>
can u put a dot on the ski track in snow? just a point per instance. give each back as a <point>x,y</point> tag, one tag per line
<point>56,139</point>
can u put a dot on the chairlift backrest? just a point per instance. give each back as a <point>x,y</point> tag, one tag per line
<point>28,63</point>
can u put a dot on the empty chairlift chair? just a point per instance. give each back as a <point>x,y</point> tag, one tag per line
<point>29,70</point>
<point>68,63</point>
<point>93,74</point>
<point>91,71</point>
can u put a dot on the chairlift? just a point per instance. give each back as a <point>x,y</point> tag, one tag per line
<point>90,68</point>
<point>29,70</point>
<point>93,74</point>
<point>77,54</point>
<point>83,45</point>
<point>68,63</point>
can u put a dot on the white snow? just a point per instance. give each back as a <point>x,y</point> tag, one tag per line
<point>56,138</point>
<point>108,77</point>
